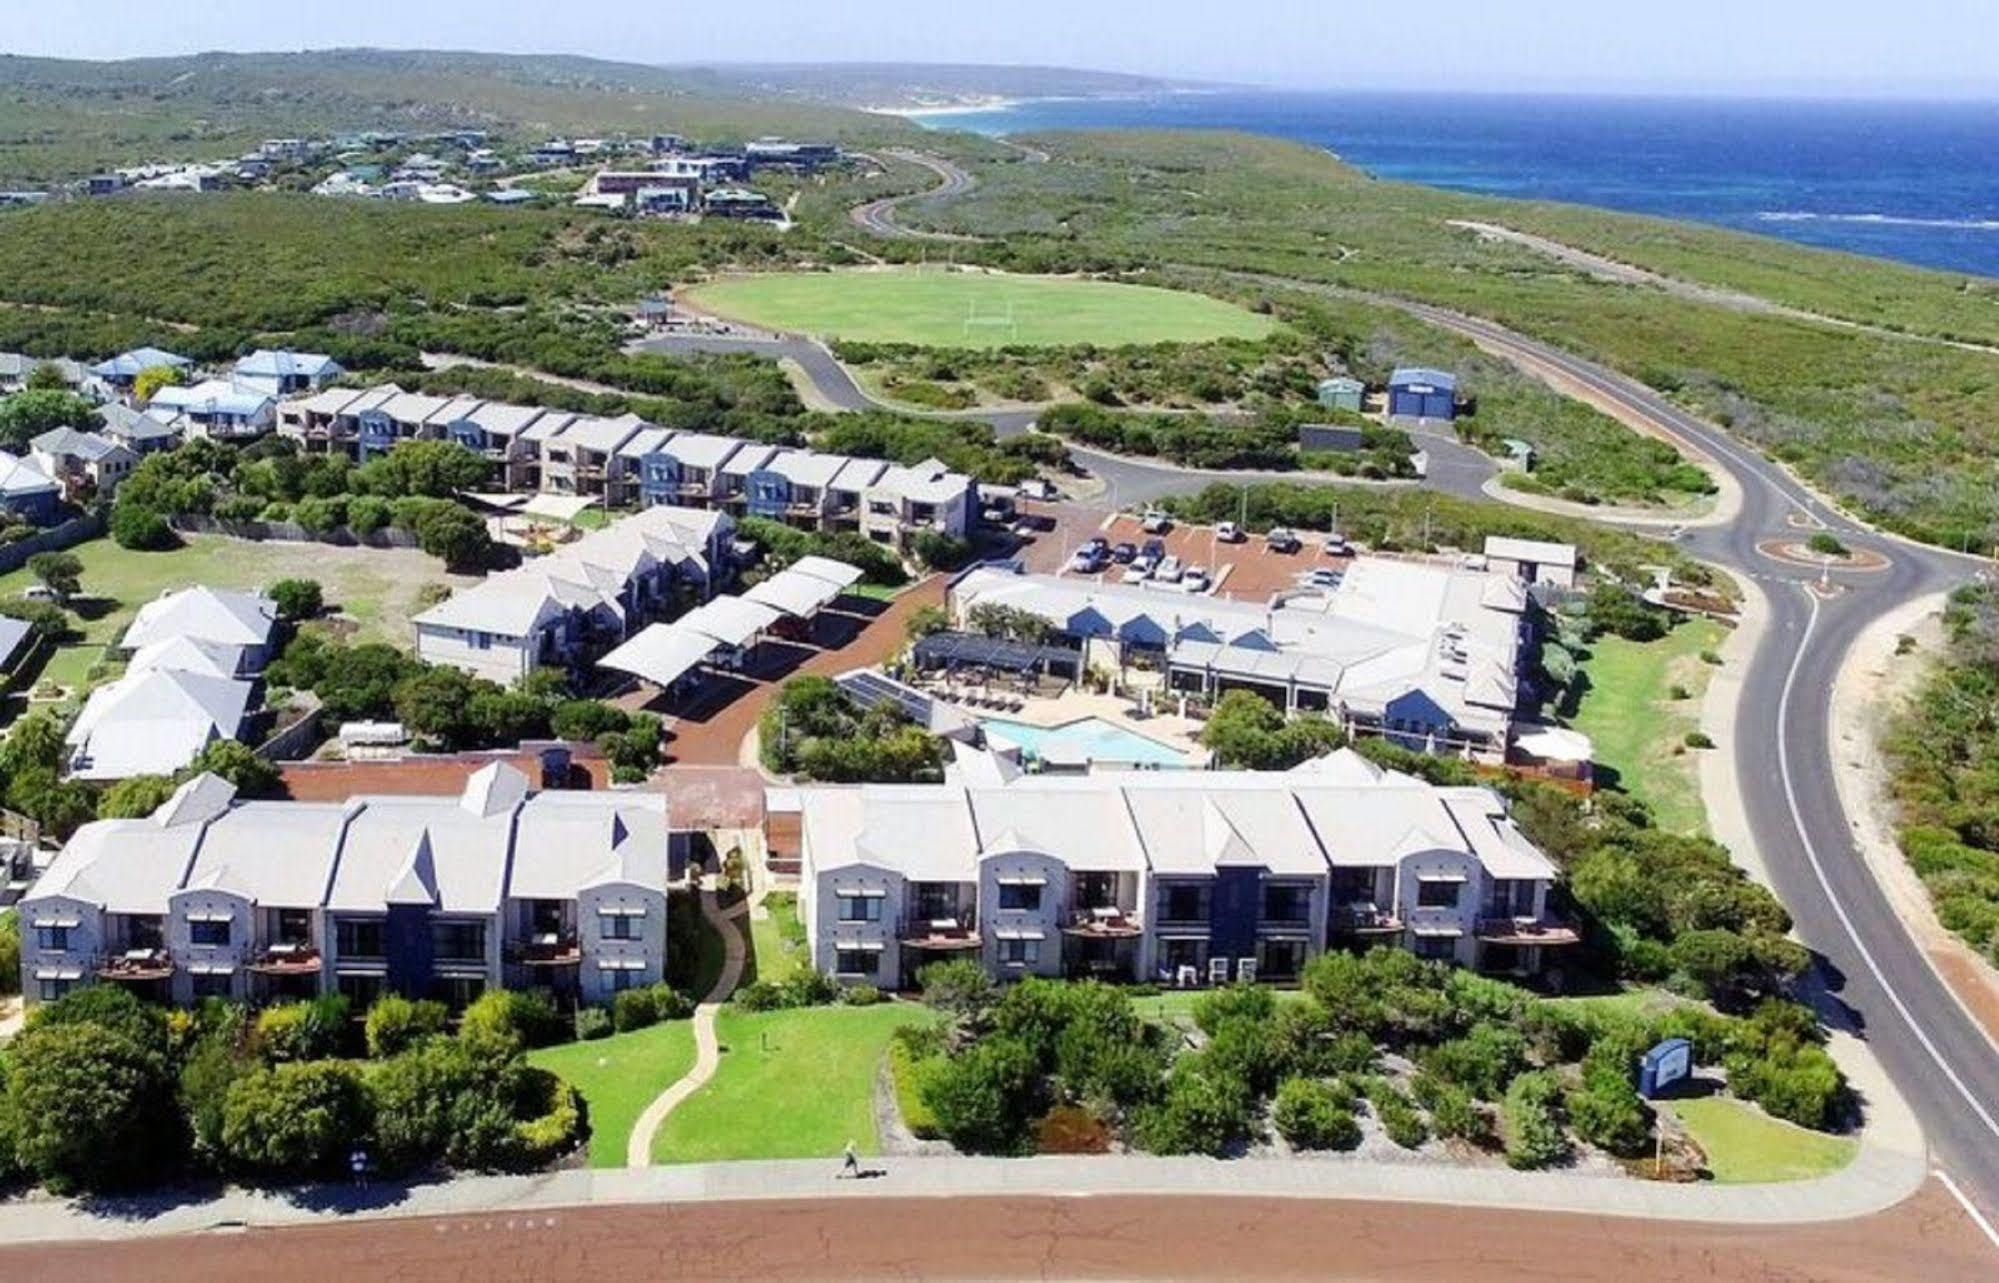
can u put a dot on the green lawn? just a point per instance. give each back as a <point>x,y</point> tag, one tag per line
<point>378,588</point>
<point>777,942</point>
<point>1628,714</point>
<point>792,1084</point>
<point>933,306</point>
<point>618,1077</point>
<point>1744,1144</point>
<point>1177,1005</point>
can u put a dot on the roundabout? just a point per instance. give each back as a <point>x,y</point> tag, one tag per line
<point>1795,552</point>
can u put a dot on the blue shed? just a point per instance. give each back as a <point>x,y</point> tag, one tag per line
<point>1418,393</point>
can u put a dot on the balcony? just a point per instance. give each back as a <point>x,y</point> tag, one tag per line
<point>547,949</point>
<point>1364,920</point>
<point>1545,931</point>
<point>136,964</point>
<point>288,958</point>
<point>1107,923</point>
<point>940,933</point>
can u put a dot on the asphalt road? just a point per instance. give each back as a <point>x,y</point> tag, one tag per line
<point>878,216</point>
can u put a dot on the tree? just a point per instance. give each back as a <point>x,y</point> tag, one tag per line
<point>151,379</point>
<point>297,599</point>
<point>396,1023</point>
<point>294,1119</point>
<point>434,702</point>
<point>587,719</point>
<point>238,763</point>
<point>983,1098</point>
<point>434,469</point>
<point>1529,1123</point>
<point>455,535</point>
<point>91,1107</point>
<point>60,572</point>
<point>134,797</point>
<point>26,415</point>
<point>10,956</point>
<point>46,376</point>
<point>1312,1114</point>
<point>415,1095</point>
<point>1249,732</point>
<point>140,528</point>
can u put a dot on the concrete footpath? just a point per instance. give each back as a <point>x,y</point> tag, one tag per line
<point>1878,1178</point>
<point>707,1051</point>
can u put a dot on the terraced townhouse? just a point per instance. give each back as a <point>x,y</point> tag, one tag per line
<point>1167,877</point>
<point>437,896</point>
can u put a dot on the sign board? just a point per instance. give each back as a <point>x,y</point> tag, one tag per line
<point>1664,1065</point>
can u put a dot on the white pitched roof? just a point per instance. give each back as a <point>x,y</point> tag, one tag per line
<point>276,854</point>
<point>567,841</point>
<point>205,614</point>
<point>23,477</point>
<point>700,450</point>
<point>661,654</point>
<point>153,723</point>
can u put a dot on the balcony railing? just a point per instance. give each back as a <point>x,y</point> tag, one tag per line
<point>288,958</point>
<point>1364,919</point>
<point>547,949</point>
<point>1108,923</point>
<point>136,964</point>
<point>1527,931</point>
<point>940,933</point>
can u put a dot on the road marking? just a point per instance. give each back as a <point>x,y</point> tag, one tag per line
<point>1825,884</point>
<point>1970,1208</point>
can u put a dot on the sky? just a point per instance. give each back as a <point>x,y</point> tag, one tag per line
<point>1833,48</point>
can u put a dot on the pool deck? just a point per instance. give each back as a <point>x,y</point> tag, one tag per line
<point>1176,732</point>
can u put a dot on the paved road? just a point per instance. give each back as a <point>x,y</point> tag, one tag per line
<point>878,216</point>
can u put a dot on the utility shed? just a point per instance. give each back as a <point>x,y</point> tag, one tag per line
<point>1329,437</point>
<point>1415,392</point>
<point>1342,393</point>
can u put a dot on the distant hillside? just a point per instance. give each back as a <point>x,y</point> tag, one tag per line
<point>890,84</point>
<point>60,118</point>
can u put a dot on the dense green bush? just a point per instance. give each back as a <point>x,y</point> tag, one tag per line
<point>982,1099</point>
<point>593,1023</point>
<point>395,1023</point>
<point>311,1029</point>
<point>1530,1121</point>
<point>1200,1112</point>
<point>90,1104</point>
<point>1246,731</point>
<point>1398,1114</point>
<point>814,730</point>
<point>784,544</point>
<point>294,1120</point>
<point>1310,1114</point>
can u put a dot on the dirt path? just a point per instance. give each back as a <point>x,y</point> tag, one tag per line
<point>1621,273</point>
<point>707,1050</point>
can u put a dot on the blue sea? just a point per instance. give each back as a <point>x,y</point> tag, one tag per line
<point>1918,182</point>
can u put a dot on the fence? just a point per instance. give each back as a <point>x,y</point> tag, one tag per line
<point>294,740</point>
<point>54,539</point>
<point>292,532</point>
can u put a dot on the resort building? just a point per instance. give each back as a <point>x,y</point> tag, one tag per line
<point>1424,653</point>
<point>84,464</point>
<point>27,493</point>
<point>284,373</point>
<point>1165,877</point>
<point>216,408</point>
<point>439,897</point>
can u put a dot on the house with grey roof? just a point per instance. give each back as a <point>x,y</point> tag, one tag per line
<point>84,464</point>
<point>121,371</point>
<point>219,409</point>
<point>27,493</point>
<point>136,430</point>
<point>426,896</point>
<point>285,373</point>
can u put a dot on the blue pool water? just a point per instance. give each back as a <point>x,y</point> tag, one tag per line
<point>1913,181</point>
<point>1090,738</point>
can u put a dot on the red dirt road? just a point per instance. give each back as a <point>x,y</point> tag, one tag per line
<point>1216,1238</point>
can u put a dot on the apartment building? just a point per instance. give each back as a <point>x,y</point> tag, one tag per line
<point>425,896</point>
<point>567,608</point>
<point>1166,878</point>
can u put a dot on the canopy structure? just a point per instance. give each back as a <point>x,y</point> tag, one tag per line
<point>661,654</point>
<point>838,573</point>
<point>729,621</point>
<point>954,649</point>
<point>795,592</point>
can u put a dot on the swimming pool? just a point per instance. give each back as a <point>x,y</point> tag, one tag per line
<point>1088,739</point>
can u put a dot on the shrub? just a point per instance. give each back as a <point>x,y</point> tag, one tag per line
<point>860,995</point>
<point>88,1106</point>
<point>634,1009</point>
<point>593,1023</point>
<point>1453,1114</point>
<point>1826,544</point>
<point>415,1095</point>
<point>141,529</point>
<point>1309,1114</point>
<point>1200,1112</point>
<point>1399,1116</point>
<point>294,1119</point>
<point>908,1060</point>
<point>395,1024</point>
<point>1607,1112</point>
<point>1679,692</point>
<point>1483,1061</point>
<point>983,1099</point>
<point>1699,739</point>
<point>297,599</point>
<point>298,1031</point>
<point>1529,1123</point>
<point>504,1021</point>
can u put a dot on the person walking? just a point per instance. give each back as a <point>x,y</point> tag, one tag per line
<point>850,1165</point>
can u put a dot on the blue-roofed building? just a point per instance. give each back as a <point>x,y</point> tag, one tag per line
<point>1342,392</point>
<point>284,372</point>
<point>122,369</point>
<point>27,493</point>
<point>512,196</point>
<point>1415,392</point>
<point>216,408</point>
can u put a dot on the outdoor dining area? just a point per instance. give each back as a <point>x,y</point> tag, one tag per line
<point>993,673</point>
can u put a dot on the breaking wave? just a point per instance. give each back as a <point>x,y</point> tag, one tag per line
<point>1886,220</point>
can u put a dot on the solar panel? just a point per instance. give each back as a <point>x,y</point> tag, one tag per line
<point>870,688</point>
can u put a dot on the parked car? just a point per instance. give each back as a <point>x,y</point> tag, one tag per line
<point>1323,578</point>
<point>1281,539</point>
<point>1086,561</point>
<point>1195,580</point>
<point>1136,573</point>
<point>1152,554</point>
<point>38,592</point>
<point>1125,553</point>
<point>1169,570</point>
<point>1337,545</point>
<point>1229,532</point>
<point>1097,546</point>
<point>1155,522</point>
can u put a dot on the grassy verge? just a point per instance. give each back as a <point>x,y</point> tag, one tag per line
<point>1639,729</point>
<point>618,1077</point>
<point>906,1070</point>
<point>1744,1144</point>
<point>792,1084</point>
<point>695,964</point>
<point>777,942</point>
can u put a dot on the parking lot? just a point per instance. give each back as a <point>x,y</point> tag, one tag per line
<point>1246,571</point>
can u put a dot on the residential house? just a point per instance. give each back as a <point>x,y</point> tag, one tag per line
<point>1232,875</point>
<point>732,478</point>
<point>1533,561</point>
<point>122,370</point>
<point>84,464</point>
<point>217,409</point>
<point>136,430</point>
<point>579,459</point>
<point>926,496</point>
<point>286,373</point>
<point>624,479</point>
<point>686,470</point>
<point>331,420</point>
<point>425,896</point>
<point>493,430</point>
<point>27,493</point>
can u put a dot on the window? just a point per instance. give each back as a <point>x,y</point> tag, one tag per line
<point>1186,904</point>
<point>294,926</point>
<point>1018,953</point>
<point>458,941</point>
<point>209,933</point>
<point>1019,896</point>
<point>210,985</point>
<point>623,979</point>
<point>617,926</point>
<point>54,939</point>
<point>861,908</point>
<point>482,641</point>
<point>145,931</point>
<point>856,962</point>
<point>1432,893</point>
<point>1288,904</point>
<point>1436,947</point>
<point>51,990</point>
<point>359,938</point>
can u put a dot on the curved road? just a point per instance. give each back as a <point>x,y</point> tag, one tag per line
<point>878,216</point>
<point>1874,978</point>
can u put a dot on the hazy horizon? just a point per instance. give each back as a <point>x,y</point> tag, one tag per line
<point>1843,49</point>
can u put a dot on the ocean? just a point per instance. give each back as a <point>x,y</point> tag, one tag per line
<point>1917,182</point>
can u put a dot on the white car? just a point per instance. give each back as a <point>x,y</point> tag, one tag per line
<point>1135,574</point>
<point>1155,522</point>
<point>1229,532</point>
<point>1195,580</point>
<point>1337,545</point>
<point>1169,570</point>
